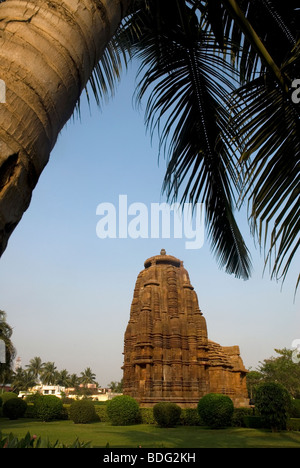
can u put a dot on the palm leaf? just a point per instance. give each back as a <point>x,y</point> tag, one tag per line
<point>186,85</point>
<point>269,130</point>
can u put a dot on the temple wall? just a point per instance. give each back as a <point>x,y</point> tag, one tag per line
<point>167,354</point>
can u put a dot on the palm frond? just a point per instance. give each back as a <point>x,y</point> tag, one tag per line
<point>269,131</point>
<point>186,84</point>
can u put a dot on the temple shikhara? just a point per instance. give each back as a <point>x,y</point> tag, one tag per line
<point>167,353</point>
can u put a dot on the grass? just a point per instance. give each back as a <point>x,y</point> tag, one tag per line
<point>151,436</point>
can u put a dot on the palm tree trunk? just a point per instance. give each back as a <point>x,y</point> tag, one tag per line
<point>48,50</point>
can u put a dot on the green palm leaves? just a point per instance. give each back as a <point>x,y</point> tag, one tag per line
<point>217,78</point>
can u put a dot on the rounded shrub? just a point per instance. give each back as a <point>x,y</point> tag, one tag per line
<point>48,408</point>
<point>166,414</point>
<point>216,410</point>
<point>123,410</point>
<point>273,403</point>
<point>7,396</point>
<point>14,408</point>
<point>82,412</point>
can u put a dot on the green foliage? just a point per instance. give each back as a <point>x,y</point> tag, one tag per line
<point>48,408</point>
<point>190,417</point>
<point>123,410</point>
<point>14,408</point>
<point>7,396</point>
<point>29,441</point>
<point>283,370</point>
<point>239,414</point>
<point>253,422</point>
<point>216,410</point>
<point>82,412</point>
<point>293,424</point>
<point>147,416</point>
<point>166,414</point>
<point>101,411</point>
<point>273,403</point>
<point>295,409</point>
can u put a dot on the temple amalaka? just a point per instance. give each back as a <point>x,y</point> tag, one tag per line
<point>167,353</point>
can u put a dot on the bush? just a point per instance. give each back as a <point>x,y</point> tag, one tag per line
<point>14,408</point>
<point>48,408</point>
<point>7,396</point>
<point>190,417</point>
<point>82,412</point>
<point>295,410</point>
<point>216,410</point>
<point>166,414</point>
<point>239,414</point>
<point>123,410</point>
<point>273,403</point>
<point>147,416</point>
<point>253,422</point>
<point>293,424</point>
<point>102,413</point>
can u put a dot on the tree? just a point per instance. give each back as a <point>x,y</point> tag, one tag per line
<point>22,380</point>
<point>35,366</point>
<point>219,77</point>
<point>116,387</point>
<point>87,377</point>
<point>273,402</point>
<point>226,145</point>
<point>48,375</point>
<point>49,51</point>
<point>63,378</point>
<point>283,370</point>
<point>8,349</point>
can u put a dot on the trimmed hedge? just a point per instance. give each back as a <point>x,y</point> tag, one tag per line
<point>166,414</point>
<point>49,407</point>
<point>295,410</point>
<point>239,414</point>
<point>14,408</point>
<point>293,424</point>
<point>190,417</point>
<point>123,410</point>
<point>273,403</point>
<point>7,396</point>
<point>147,416</point>
<point>253,422</point>
<point>216,410</point>
<point>82,412</point>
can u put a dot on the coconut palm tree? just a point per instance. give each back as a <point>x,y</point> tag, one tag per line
<point>9,351</point>
<point>63,378</point>
<point>22,380</point>
<point>36,367</point>
<point>49,51</point>
<point>87,377</point>
<point>49,373</point>
<point>222,144</point>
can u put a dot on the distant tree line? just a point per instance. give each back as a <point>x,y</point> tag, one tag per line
<point>46,373</point>
<point>281,369</point>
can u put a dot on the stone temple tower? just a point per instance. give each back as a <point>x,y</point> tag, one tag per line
<point>167,354</point>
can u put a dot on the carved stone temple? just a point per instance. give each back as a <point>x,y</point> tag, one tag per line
<point>167,353</point>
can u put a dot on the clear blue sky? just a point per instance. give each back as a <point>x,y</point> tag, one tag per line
<point>67,293</point>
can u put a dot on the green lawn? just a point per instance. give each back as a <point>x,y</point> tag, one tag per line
<point>150,436</point>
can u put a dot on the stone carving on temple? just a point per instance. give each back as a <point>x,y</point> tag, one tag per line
<point>167,353</point>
